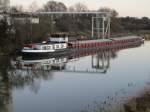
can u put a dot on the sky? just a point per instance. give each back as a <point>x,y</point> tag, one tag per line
<point>134,8</point>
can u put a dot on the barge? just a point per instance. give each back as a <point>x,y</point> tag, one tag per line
<point>57,44</point>
<point>105,43</point>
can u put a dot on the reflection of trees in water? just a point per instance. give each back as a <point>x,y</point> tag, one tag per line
<point>15,78</point>
<point>29,73</point>
<point>5,95</point>
<point>5,88</point>
<point>31,78</point>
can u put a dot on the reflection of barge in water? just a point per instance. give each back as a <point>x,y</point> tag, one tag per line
<point>44,64</point>
<point>60,44</point>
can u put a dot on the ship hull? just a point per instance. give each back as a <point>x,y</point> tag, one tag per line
<point>43,54</point>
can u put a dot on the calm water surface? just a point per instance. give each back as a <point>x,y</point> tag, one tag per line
<point>84,83</point>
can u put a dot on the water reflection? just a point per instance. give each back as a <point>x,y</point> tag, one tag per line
<point>24,72</point>
<point>5,88</point>
<point>114,103</point>
<point>46,64</point>
<point>102,61</point>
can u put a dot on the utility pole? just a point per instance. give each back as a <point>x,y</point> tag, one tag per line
<point>92,35</point>
<point>31,28</point>
<point>103,34</point>
<point>51,24</point>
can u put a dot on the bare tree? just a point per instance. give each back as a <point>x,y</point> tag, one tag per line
<point>78,7</point>
<point>113,12</point>
<point>115,22</point>
<point>54,6</point>
<point>71,9</point>
<point>17,8</point>
<point>33,7</point>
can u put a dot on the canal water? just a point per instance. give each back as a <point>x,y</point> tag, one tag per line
<point>94,81</point>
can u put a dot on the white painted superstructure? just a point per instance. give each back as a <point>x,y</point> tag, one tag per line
<point>44,48</point>
<point>60,39</point>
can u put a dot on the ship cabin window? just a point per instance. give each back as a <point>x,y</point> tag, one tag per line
<point>63,46</point>
<point>57,46</point>
<point>47,47</point>
<point>44,48</point>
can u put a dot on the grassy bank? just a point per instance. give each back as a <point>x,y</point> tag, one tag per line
<point>8,50</point>
<point>1,52</point>
<point>146,36</point>
<point>144,33</point>
<point>140,103</point>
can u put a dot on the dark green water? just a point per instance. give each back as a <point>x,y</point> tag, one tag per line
<point>89,82</point>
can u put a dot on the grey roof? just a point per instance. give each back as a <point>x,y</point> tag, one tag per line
<point>92,41</point>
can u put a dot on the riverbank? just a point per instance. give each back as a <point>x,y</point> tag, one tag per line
<point>140,103</point>
<point>2,53</point>
<point>144,33</point>
<point>146,36</point>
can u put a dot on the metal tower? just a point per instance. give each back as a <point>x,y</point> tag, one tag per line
<point>101,26</point>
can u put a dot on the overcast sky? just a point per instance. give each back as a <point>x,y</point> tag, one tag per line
<point>138,8</point>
